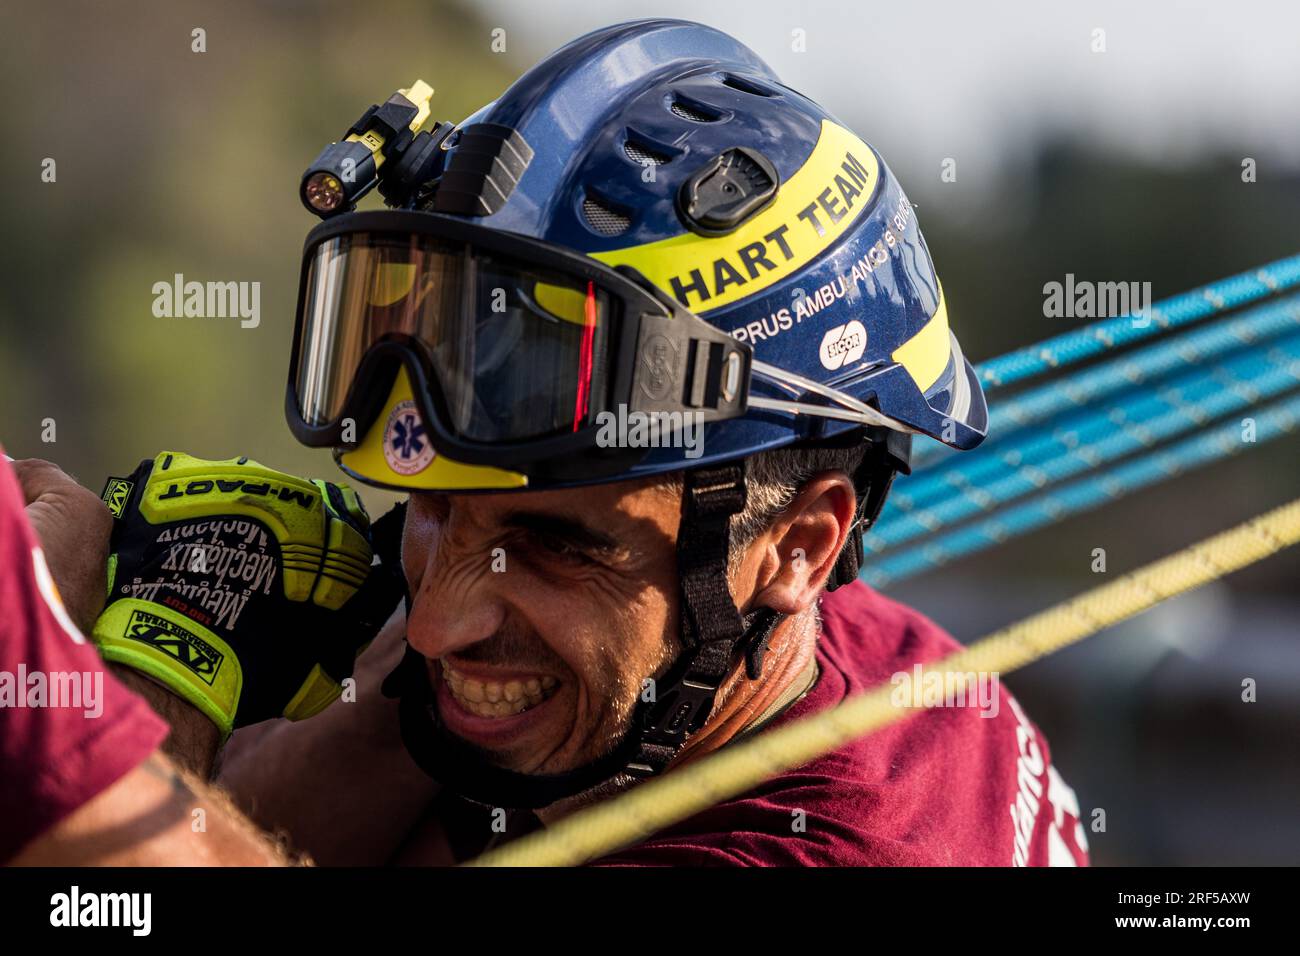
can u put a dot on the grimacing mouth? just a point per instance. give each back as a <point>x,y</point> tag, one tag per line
<point>496,698</point>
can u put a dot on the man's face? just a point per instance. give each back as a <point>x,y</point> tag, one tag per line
<point>540,614</point>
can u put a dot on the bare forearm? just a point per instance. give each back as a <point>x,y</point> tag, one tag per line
<point>157,815</point>
<point>194,739</point>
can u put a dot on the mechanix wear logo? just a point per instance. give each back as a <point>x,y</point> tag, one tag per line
<point>304,499</point>
<point>175,641</point>
<point>116,494</point>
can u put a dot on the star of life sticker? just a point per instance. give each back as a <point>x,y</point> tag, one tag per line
<point>407,448</point>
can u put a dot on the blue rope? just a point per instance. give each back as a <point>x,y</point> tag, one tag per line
<point>1088,438</point>
<point>1179,310</point>
<point>1085,342</point>
<point>1193,347</point>
<point>1099,437</point>
<point>1272,422</point>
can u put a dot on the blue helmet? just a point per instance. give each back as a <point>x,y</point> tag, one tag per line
<point>648,222</point>
<point>624,146</point>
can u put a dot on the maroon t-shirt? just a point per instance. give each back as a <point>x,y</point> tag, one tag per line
<point>68,728</point>
<point>964,785</point>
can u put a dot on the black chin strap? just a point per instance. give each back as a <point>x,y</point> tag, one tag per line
<point>713,633</point>
<point>711,627</point>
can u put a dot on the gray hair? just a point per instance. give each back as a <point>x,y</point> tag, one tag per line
<point>773,480</point>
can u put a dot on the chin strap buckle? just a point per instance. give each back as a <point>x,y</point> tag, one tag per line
<point>683,709</point>
<point>691,689</point>
<point>711,627</point>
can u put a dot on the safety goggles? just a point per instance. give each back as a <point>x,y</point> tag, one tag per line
<point>514,347</point>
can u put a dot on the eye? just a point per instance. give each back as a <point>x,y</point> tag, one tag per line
<point>557,548</point>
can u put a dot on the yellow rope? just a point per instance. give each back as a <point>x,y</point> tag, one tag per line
<point>652,806</point>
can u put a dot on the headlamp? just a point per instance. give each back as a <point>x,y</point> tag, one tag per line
<point>347,170</point>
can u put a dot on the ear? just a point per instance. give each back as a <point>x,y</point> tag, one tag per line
<point>799,550</point>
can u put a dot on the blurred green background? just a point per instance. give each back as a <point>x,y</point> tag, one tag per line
<point>173,161</point>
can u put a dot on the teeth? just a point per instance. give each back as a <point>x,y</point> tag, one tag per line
<point>494,699</point>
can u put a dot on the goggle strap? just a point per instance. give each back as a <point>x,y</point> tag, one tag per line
<point>851,410</point>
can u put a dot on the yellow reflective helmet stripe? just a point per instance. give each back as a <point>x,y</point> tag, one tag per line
<point>925,355</point>
<point>812,209</point>
<point>368,460</point>
<point>563,302</point>
<point>393,281</point>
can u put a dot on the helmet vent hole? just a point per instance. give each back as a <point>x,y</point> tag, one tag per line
<point>689,111</point>
<point>642,155</point>
<point>746,86</point>
<point>604,219</point>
